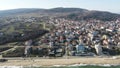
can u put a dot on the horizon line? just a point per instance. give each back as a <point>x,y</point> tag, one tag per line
<point>59,7</point>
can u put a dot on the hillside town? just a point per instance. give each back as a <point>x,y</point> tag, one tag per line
<point>59,34</point>
<point>66,37</point>
<point>79,38</point>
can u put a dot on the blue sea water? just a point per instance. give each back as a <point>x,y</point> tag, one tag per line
<point>79,67</point>
<point>67,66</point>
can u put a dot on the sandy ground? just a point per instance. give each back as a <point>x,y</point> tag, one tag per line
<point>60,61</point>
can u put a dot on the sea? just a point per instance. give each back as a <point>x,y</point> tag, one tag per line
<point>69,66</point>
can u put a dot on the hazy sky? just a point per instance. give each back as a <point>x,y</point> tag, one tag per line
<point>104,5</point>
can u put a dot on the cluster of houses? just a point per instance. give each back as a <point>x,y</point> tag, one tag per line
<point>73,38</point>
<point>68,37</point>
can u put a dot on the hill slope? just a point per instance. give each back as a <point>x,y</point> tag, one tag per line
<point>69,13</point>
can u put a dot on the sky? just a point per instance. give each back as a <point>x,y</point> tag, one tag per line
<point>102,5</point>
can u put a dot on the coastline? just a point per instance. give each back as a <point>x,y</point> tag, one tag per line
<point>67,61</point>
